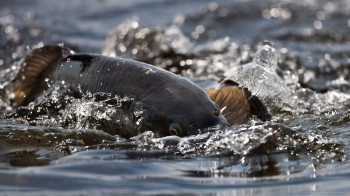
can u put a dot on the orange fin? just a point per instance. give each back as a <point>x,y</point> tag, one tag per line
<point>32,70</point>
<point>233,103</point>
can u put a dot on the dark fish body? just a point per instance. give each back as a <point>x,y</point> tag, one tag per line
<point>170,104</point>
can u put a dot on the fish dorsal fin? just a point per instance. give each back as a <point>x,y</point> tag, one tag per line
<point>233,103</point>
<point>33,67</point>
<point>84,58</point>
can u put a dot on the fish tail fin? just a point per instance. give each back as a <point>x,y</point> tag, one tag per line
<point>237,104</point>
<point>33,69</point>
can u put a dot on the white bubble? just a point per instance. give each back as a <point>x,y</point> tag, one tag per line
<point>122,48</point>
<point>327,57</point>
<point>200,29</point>
<point>317,24</point>
<point>135,24</point>
<point>321,15</point>
<point>134,51</point>
<point>212,6</point>
<point>179,19</point>
<point>284,50</point>
<point>266,14</point>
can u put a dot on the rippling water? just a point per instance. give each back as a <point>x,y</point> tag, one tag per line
<point>301,73</point>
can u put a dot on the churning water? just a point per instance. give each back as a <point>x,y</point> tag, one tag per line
<point>294,55</point>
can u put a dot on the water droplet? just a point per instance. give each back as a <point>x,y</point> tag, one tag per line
<point>200,29</point>
<point>266,56</point>
<point>317,24</point>
<point>135,24</point>
<point>327,57</point>
<point>179,19</point>
<point>149,70</point>
<point>266,14</point>
<point>40,45</point>
<point>134,51</point>
<point>189,62</point>
<point>321,15</point>
<point>122,48</point>
<point>212,6</point>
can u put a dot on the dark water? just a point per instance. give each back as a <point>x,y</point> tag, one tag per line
<point>301,74</point>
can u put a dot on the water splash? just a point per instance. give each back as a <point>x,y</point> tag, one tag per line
<point>261,79</point>
<point>302,142</point>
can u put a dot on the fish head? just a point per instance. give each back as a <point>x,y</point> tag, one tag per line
<point>182,112</point>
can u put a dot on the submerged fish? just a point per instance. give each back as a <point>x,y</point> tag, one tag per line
<point>170,104</point>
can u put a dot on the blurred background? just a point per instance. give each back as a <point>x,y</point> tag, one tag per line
<point>293,54</point>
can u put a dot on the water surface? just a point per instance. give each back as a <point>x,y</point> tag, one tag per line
<point>301,73</point>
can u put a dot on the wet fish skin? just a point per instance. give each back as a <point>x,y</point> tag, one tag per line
<point>168,104</point>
